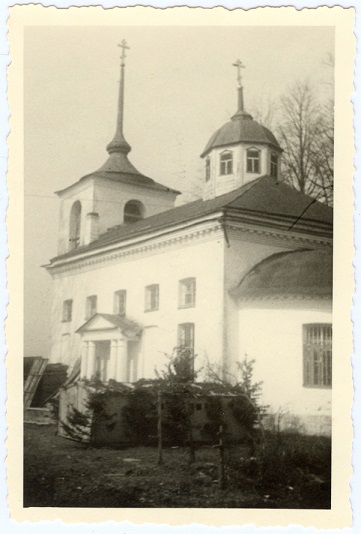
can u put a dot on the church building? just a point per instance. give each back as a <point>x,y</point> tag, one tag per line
<point>245,271</point>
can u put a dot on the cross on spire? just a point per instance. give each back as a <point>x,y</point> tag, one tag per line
<point>239,66</point>
<point>124,47</point>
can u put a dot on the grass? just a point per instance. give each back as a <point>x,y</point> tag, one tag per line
<point>63,473</point>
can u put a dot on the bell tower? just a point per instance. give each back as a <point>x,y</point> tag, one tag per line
<point>115,194</point>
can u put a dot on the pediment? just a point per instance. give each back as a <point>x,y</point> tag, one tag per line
<point>103,321</point>
<point>97,323</point>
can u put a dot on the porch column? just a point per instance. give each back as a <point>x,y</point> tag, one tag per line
<point>90,369</point>
<point>84,359</point>
<point>122,357</point>
<point>112,374</point>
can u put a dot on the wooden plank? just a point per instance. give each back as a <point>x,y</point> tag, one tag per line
<point>33,379</point>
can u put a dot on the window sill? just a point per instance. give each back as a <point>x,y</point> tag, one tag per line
<point>183,306</point>
<point>316,387</point>
<point>65,321</point>
<point>151,310</point>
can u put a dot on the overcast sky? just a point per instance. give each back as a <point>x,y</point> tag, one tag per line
<point>180,87</point>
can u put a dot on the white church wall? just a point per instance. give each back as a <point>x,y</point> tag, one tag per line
<point>203,259</point>
<point>279,360</point>
<point>84,193</point>
<point>243,253</point>
<point>111,197</point>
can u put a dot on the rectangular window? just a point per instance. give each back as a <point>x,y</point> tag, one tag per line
<point>226,163</point>
<point>67,310</point>
<point>274,165</point>
<point>253,161</point>
<point>208,169</point>
<point>152,297</point>
<point>120,302</point>
<point>91,306</point>
<point>187,293</point>
<point>186,336</point>
<point>317,355</point>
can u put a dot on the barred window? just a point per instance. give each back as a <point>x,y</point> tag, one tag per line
<point>317,355</point>
<point>253,160</point>
<point>187,293</point>
<point>67,310</point>
<point>152,297</point>
<point>226,163</point>
<point>91,306</point>
<point>120,302</point>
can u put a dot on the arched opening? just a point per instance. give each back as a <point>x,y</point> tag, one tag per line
<point>133,211</point>
<point>74,225</point>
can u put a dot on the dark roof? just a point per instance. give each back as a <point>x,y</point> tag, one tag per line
<point>263,196</point>
<point>242,128</point>
<point>301,273</point>
<point>119,169</point>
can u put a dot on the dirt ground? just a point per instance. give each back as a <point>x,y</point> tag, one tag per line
<point>63,473</point>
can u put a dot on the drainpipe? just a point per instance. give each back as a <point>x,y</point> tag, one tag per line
<point>222,222</point>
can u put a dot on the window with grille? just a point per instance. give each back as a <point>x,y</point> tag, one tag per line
<point>67,310</point>
<point>226,163</point>
<point>120,302</point>
<point>186,336</point>
<point>317,355</point>
<point>152,297</point>
<point>187,293</point>
<point>208,169</point>
<point>91,306</point>
<point>253,160</point>
<point>274,164</point>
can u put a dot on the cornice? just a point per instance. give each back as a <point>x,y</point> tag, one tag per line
<point>183,237</point>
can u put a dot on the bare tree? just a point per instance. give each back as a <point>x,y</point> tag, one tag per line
<point>306,134</point>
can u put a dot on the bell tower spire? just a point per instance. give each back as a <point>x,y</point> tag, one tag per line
<point>119,144</point>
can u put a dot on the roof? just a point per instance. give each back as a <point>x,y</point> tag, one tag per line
<point>119,321</point>
<point>119,169</point>
<point>264,196</point>
<point>301,273</point>
<point>241,129</point>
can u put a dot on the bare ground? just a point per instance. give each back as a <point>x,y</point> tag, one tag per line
<point>63,473</point>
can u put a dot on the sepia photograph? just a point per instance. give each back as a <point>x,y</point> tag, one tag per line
<point>178,266</point>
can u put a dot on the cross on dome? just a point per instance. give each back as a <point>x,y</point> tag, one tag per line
<point>239,66</point>
<point>124,46</point>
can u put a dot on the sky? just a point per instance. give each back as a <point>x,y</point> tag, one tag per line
<point>180,86</point>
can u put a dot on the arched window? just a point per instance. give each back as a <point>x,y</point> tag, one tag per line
<point>274,164</point>
<point>253,160</point>
<point>226,163</point>
<point>208,169</point>
<point>74,225</point>
<point>133,211</point>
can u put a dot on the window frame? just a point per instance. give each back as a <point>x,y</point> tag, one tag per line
<point>317,355</point>
<point>226,163</point>
<point>67,312</point>
<point>89,306</point>
<point>183,292</point>
<point>116,301</point>
<point>182,332</point>
<point>252,160</point>
<point>151,292</point>
<point>274,165</point>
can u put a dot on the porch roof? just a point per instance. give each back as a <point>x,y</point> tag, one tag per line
<point>115,321</point>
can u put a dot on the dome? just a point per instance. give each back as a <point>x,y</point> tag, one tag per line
<point>300,273</point>
<point>241,129</point>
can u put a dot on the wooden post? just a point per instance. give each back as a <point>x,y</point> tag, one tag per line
<point>221,473</point>
<point>160,451</point>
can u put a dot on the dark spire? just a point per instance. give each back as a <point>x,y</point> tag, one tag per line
<point>119,144</point>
